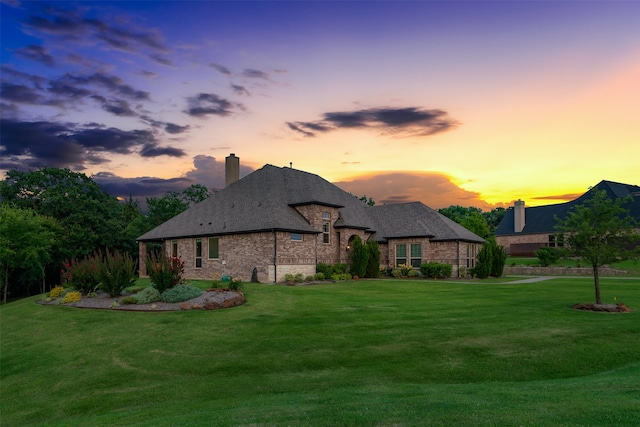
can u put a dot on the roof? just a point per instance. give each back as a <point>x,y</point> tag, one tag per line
<point>541,219</point>
<point>265,200</point>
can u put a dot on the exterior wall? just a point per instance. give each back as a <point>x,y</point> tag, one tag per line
<point>523,244</point>
<point>327,253</point>
<point>458,254</point>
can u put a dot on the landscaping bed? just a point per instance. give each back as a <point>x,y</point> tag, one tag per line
<point>211,299</point>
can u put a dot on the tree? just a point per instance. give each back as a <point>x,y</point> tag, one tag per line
<point>470,218</point>
<point>368,201</point>
<point>498,257</point>
<point>476,223</point>
<point>26,239</point>
<point>164,208</point>
<point>373,262</point>
<point>599,231</point>
<point>359,257</point>
<point>89,215</point>
<point>482,269</point>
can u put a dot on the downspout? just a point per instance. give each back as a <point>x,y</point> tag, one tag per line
<point>275,254</point>
<point>458,255</point>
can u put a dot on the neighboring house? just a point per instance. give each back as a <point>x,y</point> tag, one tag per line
<point>524,230</point>
<point>285,221</point>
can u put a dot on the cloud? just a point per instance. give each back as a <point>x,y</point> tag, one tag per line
<point>240,90</point>
<point>36,53</point>
<point>563,197</point>
<point>206,171</point>
<point>210,172</point>
<point>407,121</point>
<point>435,190</point>
<point>140,187</point>
<point>39,144</point>
<point>117,107</point>
<point>111,83</point>
<point>72,25</point>
<point>252,73</point>
<point>205,104</point>
<point>174,129</point>
<point>220,68</point>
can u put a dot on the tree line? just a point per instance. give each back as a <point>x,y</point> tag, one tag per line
<point>53,215</point>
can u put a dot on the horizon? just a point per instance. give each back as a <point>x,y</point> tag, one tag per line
<point>448,103</point>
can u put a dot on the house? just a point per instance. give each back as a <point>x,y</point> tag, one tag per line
<point>279,220</point>
<point>524,230</point>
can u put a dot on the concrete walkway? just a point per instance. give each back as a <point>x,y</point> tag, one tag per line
<point>532,280</point>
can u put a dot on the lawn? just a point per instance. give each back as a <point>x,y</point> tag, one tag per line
<point>380,352</point>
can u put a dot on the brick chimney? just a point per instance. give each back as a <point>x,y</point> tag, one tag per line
<point>231,169</point>
<point>518,216</point>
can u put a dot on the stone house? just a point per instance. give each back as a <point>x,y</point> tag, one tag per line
<point>524,230</point>
<point>279,220</point>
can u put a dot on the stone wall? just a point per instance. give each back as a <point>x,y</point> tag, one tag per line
<point>560,271</point>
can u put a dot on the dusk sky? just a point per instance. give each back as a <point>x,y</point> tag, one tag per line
<point>468,103</point>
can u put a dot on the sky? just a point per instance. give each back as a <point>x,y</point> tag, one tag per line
<point>474,103</point>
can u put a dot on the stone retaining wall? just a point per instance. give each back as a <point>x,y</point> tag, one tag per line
<point>560,271</point>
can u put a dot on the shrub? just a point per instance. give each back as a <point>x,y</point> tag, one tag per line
<point>359,257</point>
<point>373,264</point>
<point>298,278</point>
<point>116,271</point>
<point>56,292</point>
<point>129,300</point>
<point>319,276</point>
<point>81,275</point>
<point>147,295</point>
<point>482,269</point>
<point>180,293</point>
<point>341,276</point>
<point>234,285</point>
<point>288,278</point>
<point>436,270</point>
<point>396,272</point>
<point>404,269</point>
<point>462,271</point>
<point>164,272</point>
<point>498,257</point>
<point>310,278</point>
<point>547,255</point>
<point>329,270</point>
<point>412,273</point>
<point>72,296</point>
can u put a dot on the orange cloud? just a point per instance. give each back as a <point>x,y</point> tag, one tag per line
<point>435,190</point>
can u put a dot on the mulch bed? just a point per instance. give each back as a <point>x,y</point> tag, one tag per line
<point>609,308</point>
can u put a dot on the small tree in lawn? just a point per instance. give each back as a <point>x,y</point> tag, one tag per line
<point>482,270</point>
<point>600,231</point>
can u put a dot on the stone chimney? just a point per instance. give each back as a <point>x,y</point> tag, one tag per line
<point>231,169</point>
<point>518,216</point>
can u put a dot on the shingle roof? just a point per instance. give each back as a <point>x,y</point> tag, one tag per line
<point>417,220</point>
<point>265,199</point>
<point>541,219</point>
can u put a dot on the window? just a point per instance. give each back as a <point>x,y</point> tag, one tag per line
<point>325,231</point>
<point>213,248</point>
<point>174,248</point>
<point>556,242</point>
<point>296,237</point>
<point>416,255</point>
<point>471,255</point>
<point>401,254</point>
<point>325,215</point>
<point>198,253</point>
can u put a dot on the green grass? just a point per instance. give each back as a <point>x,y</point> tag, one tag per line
<point>381,352</point>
